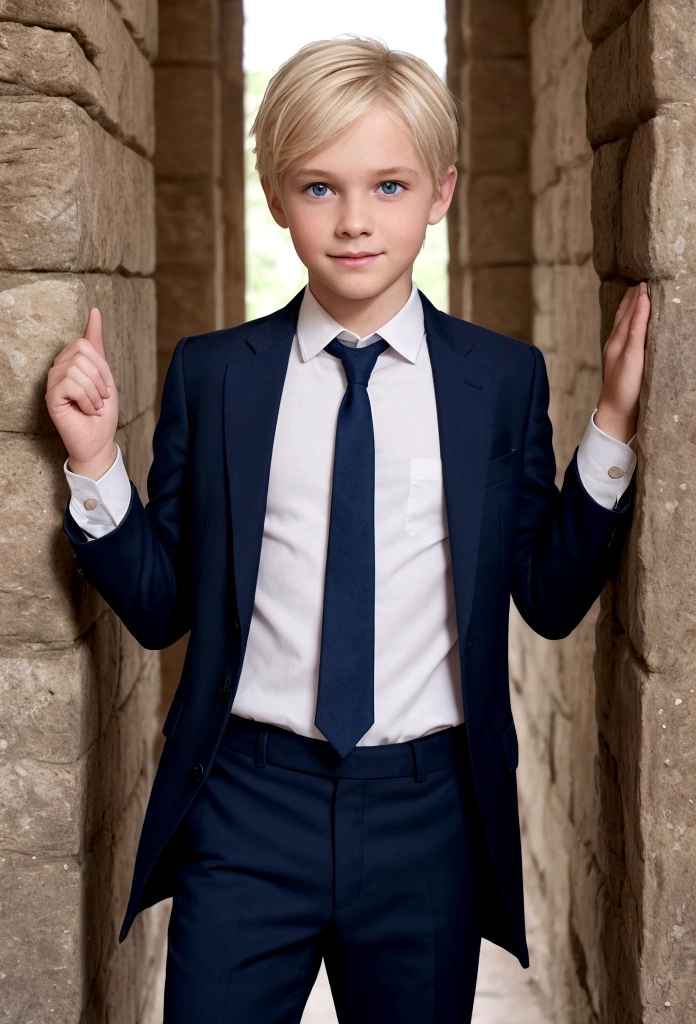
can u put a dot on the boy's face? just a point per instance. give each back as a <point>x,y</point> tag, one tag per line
<point>366,192</point>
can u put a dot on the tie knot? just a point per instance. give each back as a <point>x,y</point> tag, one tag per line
<point>358,363</point>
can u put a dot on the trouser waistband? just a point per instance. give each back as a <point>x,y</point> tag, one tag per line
<point>269,744</point>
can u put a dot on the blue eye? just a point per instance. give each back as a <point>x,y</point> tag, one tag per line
<point>391,185</point>
<point>319,185</point>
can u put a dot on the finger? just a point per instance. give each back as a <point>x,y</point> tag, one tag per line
<point>625,301</point>
<point>93,331</point>
<point>82,345</point>
<point>620,332</point>
<point>80,377</point>
<point>638,328</point>
<point>92,371</point>
<point>76,393</point>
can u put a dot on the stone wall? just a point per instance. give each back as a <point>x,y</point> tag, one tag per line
<point>608,765</point>
<point>79,696</point>
<point>641,92</point>
<point>199,168</point>
<point>553,682</point>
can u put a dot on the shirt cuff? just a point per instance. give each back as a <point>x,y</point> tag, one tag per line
<point>605,464</point>
<point>98,506</point>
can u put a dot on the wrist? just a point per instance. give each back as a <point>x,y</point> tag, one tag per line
<point>96,467</point>
<point>619,427</point>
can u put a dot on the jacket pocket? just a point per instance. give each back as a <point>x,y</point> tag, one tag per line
<point>172,718</point>
<point>503,467</point>
<point>510,747</point>
<point>426,518</point>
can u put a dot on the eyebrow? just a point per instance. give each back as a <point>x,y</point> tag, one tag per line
<point>317,172</point>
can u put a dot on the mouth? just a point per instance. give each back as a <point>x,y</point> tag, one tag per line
<point>357,259</point>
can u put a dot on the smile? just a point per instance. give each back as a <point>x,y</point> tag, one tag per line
<point>357,261</point>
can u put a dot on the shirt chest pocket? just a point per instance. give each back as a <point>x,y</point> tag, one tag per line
<point>426,516</point>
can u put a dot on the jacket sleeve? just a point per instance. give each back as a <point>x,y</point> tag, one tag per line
<point>142,567</point>
<point>568,545</point>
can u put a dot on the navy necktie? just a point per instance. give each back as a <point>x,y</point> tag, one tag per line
<point>345,700</point>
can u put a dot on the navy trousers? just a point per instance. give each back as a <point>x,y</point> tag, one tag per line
<point>290,854</point>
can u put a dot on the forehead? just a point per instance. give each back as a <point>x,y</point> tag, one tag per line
<point>375,143</point>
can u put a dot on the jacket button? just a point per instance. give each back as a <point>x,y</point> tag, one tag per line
<point>196,775</point>
<point>223,689</point>
<point>236,631</point>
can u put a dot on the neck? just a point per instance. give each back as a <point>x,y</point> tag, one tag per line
<point>363,316</point>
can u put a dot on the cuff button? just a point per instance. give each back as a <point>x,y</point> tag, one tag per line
<point>615,472</point>
<point>90,503</point>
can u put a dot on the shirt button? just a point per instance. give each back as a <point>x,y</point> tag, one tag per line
<point>615,472</point>
<point>90,503</point>
<point>223,689</point>
<point>196,775</point>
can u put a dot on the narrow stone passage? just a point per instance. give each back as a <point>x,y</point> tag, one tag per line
<point>504,993</point>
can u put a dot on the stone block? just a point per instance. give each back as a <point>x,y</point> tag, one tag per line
<point>658,202</point>
<point>45,599</point>
<point>41,939</point>
<point>89,20</point>
<point>602,17</point>
<point>501,116</point>
<point>49,707</point>
<point>561,225</point>
<point>555,30</point>
<point>188,224</point>
<point>186,96</point>
<point>89,203</point>
<point>41,807</point>
<point>501,300</point>
<point>607,177</point>
<point>115,87</point>
<point>186,305</point>
<point>543,165</point>
<point>41,313</point>
<point>571,127</point>
<point>499,29</point>
<point>188,32</point>
<point>500,230</point>
<point>644,66</point>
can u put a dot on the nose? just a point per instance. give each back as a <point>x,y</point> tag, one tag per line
<point>354,217</point>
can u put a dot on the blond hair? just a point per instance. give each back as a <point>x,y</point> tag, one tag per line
<point>329,84</point>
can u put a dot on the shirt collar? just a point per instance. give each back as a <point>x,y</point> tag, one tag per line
<point>404,332</point>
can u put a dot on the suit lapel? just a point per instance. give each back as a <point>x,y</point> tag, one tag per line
<point>464,401</point>
<point>252,389</point>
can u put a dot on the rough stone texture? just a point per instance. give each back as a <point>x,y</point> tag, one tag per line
<point>88,204</point>
<point>90,21</point>
<point>647,64</point>
<point>115,86</point>
<point>602,17</point>
<point>41,312</point>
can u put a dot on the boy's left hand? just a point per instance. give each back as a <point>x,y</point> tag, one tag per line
<point>624,358</point>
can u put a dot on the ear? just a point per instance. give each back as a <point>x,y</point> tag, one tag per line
<point>274,203</point>
<point>443,197</point>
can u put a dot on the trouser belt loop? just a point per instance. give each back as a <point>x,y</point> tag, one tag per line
<point>419,772</point>
<point>260,751</point>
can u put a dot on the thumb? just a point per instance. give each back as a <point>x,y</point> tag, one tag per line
<point>93,331</point>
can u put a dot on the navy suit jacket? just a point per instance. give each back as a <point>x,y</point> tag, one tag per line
<point>188,559</point>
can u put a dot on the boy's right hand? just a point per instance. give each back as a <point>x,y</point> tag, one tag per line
<point>83,402</point>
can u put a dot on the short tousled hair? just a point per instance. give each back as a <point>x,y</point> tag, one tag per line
<point>329,84</point>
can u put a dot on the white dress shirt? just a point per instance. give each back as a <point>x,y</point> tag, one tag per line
<point>417,674</point>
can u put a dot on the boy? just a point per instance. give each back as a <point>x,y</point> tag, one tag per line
<point>343,496</point>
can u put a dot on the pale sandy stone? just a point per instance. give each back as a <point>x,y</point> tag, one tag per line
<point>49,708</point>
<point>501,296</point>
<point>88,205</point>
<point>185,95</point>
<point>644,66</point>
<point>188,32</point>
<point>115,87</point>
<point>41,313</point>
<point>561,226</point>
<point>499,228</point>
<point>607,174</point>
<point>89,20</point>
<point>499,137</point>
<point>555,30</point>
<point>40,904</point>
<point>41,807</point>
<point>187,214</point>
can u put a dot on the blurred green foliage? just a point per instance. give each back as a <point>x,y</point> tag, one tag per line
<point>274,272</point>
